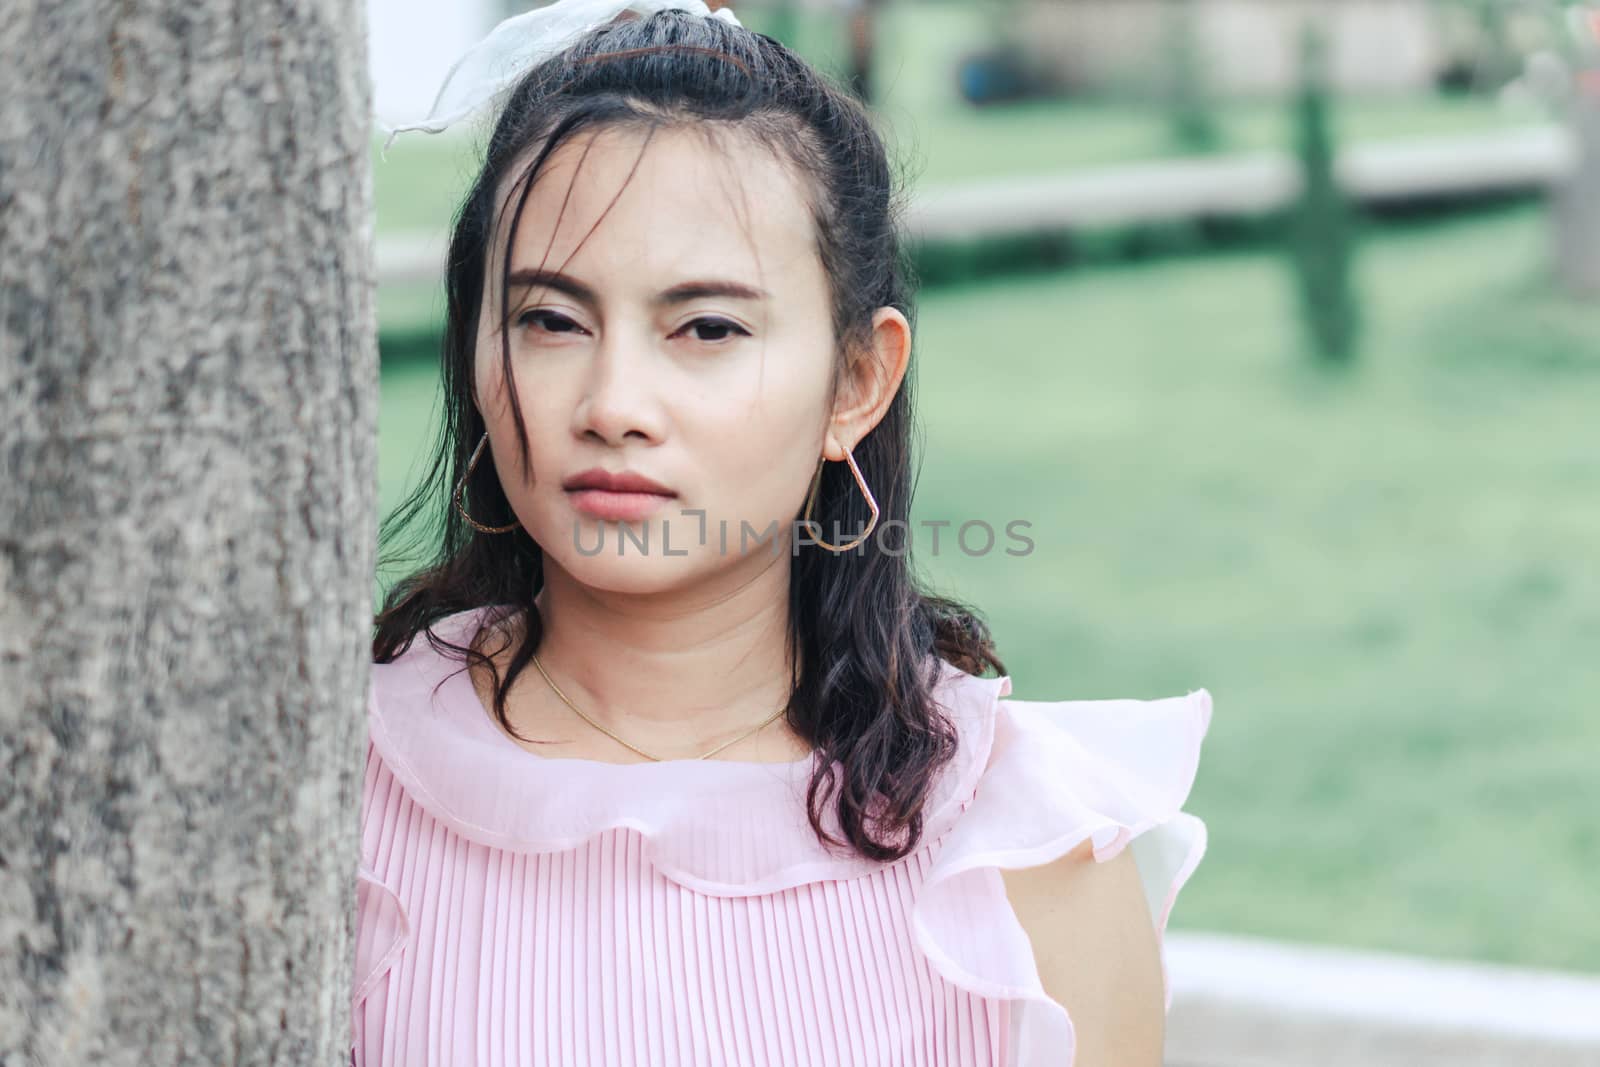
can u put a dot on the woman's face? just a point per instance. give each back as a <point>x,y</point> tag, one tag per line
<point>688,341</point>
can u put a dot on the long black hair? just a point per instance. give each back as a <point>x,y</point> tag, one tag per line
<point>864,636</point>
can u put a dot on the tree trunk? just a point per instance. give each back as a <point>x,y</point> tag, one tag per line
<point>188,392</point>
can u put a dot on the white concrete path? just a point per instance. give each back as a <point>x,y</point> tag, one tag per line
<point>1248,1002</point>
<point>1525,158</point>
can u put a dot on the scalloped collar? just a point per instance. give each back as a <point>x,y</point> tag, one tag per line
<point>722,827</point>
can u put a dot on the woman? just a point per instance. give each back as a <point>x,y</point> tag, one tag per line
<point>672,761</point>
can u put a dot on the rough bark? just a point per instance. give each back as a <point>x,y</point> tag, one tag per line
<point>188,393</point>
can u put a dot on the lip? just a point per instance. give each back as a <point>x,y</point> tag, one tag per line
<point>620,497</point>
<point>619,482</point>
<point>618,507</point>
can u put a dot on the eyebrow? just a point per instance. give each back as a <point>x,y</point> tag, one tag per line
<point>528,277</point>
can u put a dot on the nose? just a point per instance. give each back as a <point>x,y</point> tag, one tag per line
<point>619,399</point>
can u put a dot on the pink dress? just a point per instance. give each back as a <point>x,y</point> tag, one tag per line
<point>517,909</point>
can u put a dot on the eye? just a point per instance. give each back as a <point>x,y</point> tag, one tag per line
<point>557,323</point>
<point>716,325</point>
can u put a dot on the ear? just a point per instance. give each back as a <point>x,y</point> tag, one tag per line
<point>869,383</point>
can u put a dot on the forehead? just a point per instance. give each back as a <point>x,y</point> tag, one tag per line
<point>607,202</point>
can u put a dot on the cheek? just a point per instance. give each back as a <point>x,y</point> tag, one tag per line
<point>767,448</point>
<point>487,381</point>
<point>495,400</point>
<point>495,405</point>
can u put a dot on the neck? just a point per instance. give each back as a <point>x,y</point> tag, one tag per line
<point>672,670</point>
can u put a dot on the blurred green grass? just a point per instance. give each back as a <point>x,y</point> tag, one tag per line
<point>1388,582</point>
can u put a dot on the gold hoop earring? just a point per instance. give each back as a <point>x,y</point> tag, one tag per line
<point>461,487</point>
<point>816,482</point>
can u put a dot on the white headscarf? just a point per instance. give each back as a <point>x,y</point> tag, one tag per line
<point>493,65</point>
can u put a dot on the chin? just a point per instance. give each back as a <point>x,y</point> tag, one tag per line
<point>614,556</point>
<point>632,574</point>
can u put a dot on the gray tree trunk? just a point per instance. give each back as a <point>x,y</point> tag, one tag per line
<point>188,392</point>
<point>1576,213</point>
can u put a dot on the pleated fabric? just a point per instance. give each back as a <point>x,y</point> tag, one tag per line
<point>517,909</point>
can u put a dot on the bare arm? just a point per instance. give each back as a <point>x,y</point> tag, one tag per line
<point>1097,954</point>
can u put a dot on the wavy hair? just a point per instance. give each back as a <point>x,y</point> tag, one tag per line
<point>865,638</point>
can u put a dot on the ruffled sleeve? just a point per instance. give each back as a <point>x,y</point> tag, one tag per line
<point>1115,772</point>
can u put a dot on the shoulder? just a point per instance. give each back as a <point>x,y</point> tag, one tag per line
<point>1096,951</point>
<point>1078,816</point>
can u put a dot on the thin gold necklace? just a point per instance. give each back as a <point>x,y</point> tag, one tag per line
<point>658,759</point>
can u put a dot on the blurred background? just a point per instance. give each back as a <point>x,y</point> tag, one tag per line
<point>1280,322</point>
